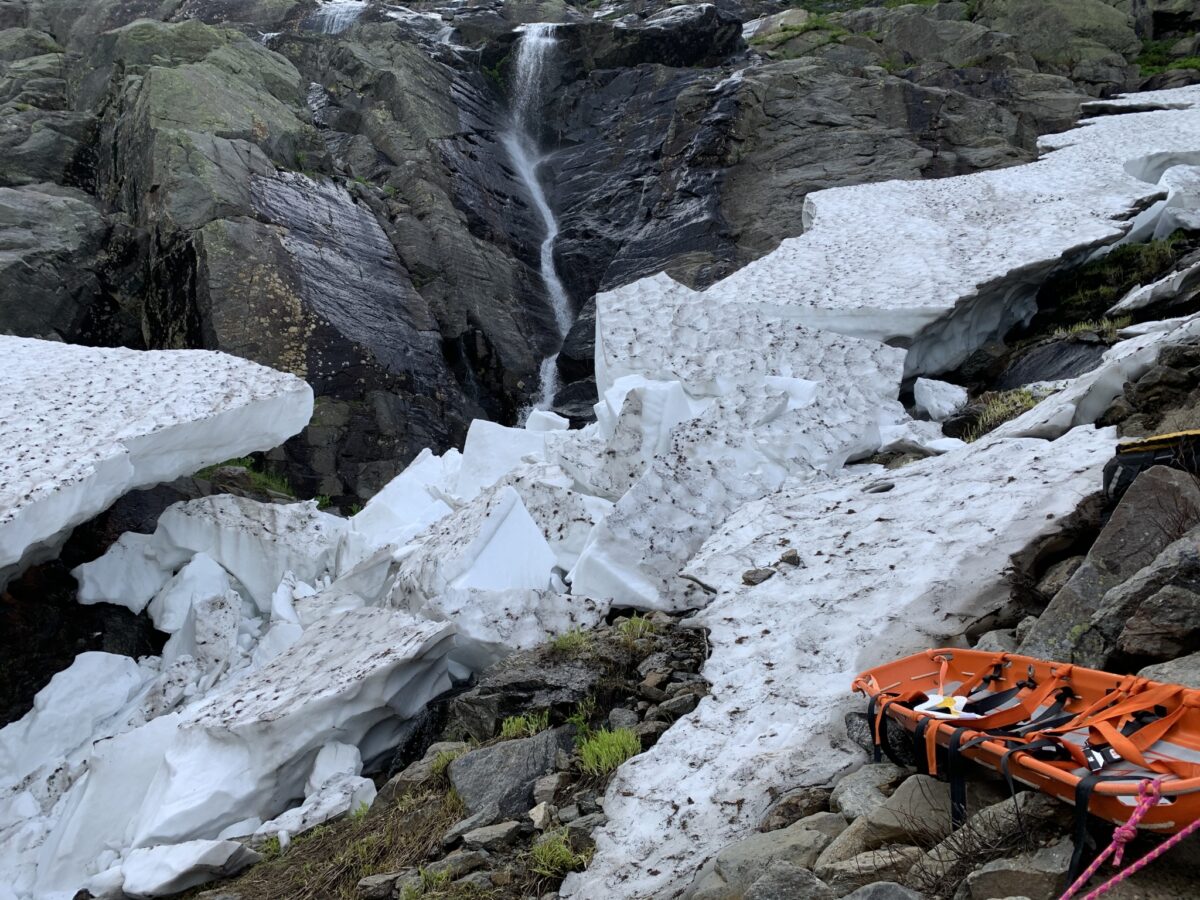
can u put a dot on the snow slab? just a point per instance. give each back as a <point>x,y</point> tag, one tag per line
<point>246,749</point>
<point>85,425</point>
<point>937,399</point>
<point>255,542</point>
<point>162,871</point>
<point>951,262</point>
<point>891,562</point>
<point>491,544</point>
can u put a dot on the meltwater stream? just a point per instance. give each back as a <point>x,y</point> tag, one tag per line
<point>533,50</point>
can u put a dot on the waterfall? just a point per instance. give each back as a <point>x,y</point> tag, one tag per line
<point>335,16</point>
<point>533,51</point>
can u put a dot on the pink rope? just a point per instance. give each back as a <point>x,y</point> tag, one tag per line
<point>1149,793</point>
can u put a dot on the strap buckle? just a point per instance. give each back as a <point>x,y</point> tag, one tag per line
<point>1099,757</point>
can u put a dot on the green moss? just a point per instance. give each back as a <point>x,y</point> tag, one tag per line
<point>262,478</point>
<point>1089,291</point>
<point>785,33</point>
<point>1156,58</point>
<point>602,751</point>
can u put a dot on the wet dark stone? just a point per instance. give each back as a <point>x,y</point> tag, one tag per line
<point>1051,362</point>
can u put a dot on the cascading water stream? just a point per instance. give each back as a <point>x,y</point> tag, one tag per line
<point>335,16</point>
<point>533,50</point>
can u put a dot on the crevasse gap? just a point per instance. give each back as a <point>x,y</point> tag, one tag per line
<point>533,50</point>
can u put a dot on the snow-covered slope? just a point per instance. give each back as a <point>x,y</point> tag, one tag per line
<point>938,266</point>
<point>84,425</point>
<point>891,562</point>
<point>727,426</point>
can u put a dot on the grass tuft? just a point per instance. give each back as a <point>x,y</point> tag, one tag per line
<point>636,627</point>
<point>999,407</point>
<point>575,642</point>
<point>524,726</point>
<point>600,752</point>
<point>441,762</point>
<point>554,858</point>
<point>263,479</point>
<point>1106,328</point>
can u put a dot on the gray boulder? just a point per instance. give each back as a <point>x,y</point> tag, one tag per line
<point>865,789</point>
<point>49,239</point>
<point>795,805</point>
<point>1151,615</point>
<point>1159,506</point>
<point>497,782</point>
<point>1185,671</point>
<point>884,890</point>
<point>732,871</point>
<point>788,881</point>
<point>1088,40</point>
<point>1038,876</point>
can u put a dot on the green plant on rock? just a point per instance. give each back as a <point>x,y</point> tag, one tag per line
<point>636,627</point>
<point>582,717</point>
<point>1156,58</point>
<point>572,643</point>
<point>603,750</point>
<point>998,408</point>
<point>271,848</point>
<point>553,857</point>
<point>524,726</point>
<point>1106,328</point>
<point>441,762</point>
<point>261,478</point>
<point>1087,292</point>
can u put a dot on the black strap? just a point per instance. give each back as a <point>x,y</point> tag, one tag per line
<point>875,740</point>
<point>1083,799</point>
<point>958,780</point>
<point>999,698</point>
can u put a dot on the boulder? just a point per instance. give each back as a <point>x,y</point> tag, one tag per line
<point>788,880</point>
<point>49,240</point>
<point>416,774</point>
<point>1159,506</point>
<point>795,805</point>
<point>1087,40</point>
<point>1039,876</point>
<point>492,837</point>
<point>1166,590</point>
<point>890,863</point>
<point>884,890</point>
<point>863,790</point>
<point>860,729</point>
<point>1185,671</point>
<point>1002,640</point>
<point>1165,626</point>
<point>497,782</point>
<point>521,682</point>
<point>732,871</point>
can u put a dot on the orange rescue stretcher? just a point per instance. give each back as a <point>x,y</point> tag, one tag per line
<point>1088,737</point>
